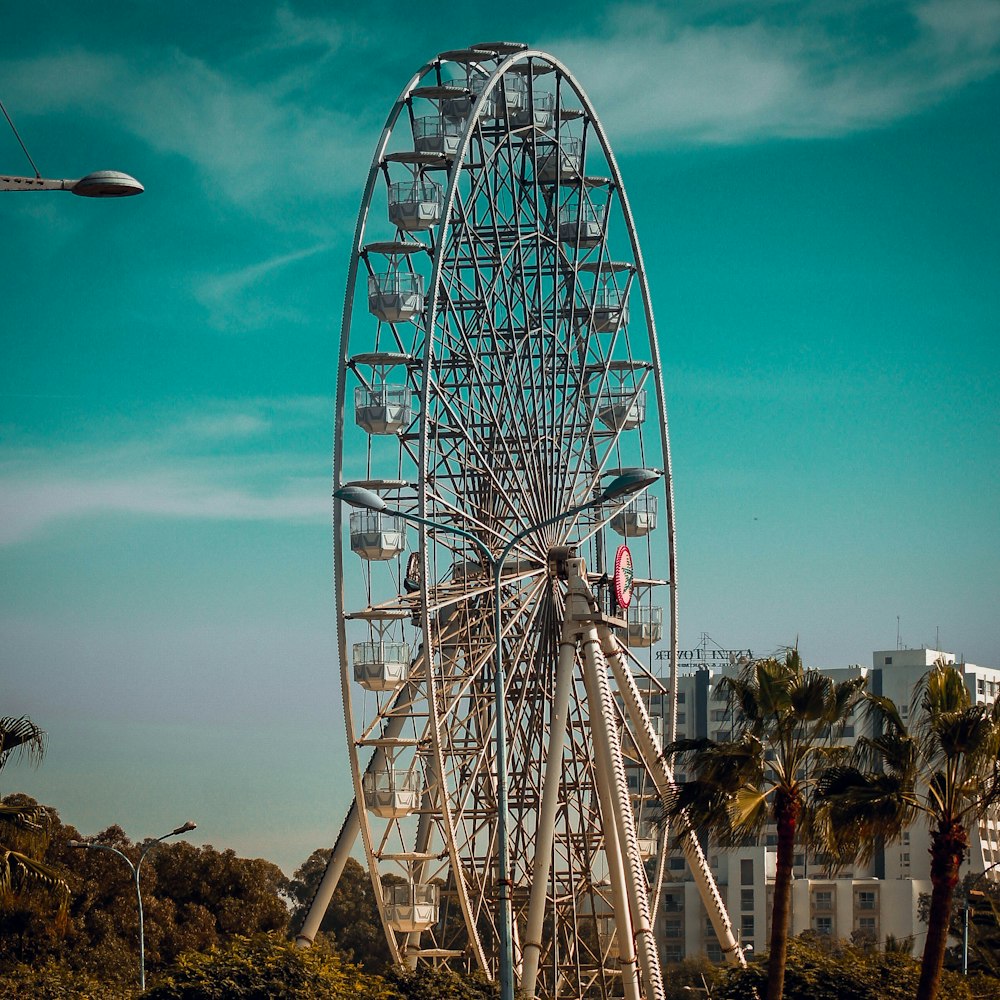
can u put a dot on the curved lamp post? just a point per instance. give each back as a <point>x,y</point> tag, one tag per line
<point>626,483</point>
<point>135,868</point>
<point>100,184</point>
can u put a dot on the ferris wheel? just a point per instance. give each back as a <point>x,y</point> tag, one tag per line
<point>504,540</point>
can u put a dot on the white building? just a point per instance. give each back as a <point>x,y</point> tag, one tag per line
<point>871,902</point>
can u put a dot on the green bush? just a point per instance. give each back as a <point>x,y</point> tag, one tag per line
<point>817,971</point>
<point>265,967</point>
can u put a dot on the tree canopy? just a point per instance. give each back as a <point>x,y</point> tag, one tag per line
<point>193,898</point>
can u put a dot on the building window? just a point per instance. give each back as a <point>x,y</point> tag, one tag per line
<point>681,718</point>
<point>676,864</point>
<point>771,840</point>
<point>866,900</point>
<point>823,899</point>
<point>746,927</point>
<point>746,871</point>
<point>673,902</point>
<point>981,686</point>
<point>888,661</point>
<point>746,899</point>
<point>905,858</point>
<point>714,951</point>
<point>672,928</point>
<point>673,952</point>
<point>824,925</point>
<point>848,732</point>
<point>906,839</point>
<point>680,698</point>
<point>867,926</point>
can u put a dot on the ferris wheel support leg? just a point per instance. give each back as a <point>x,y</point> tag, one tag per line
<point>334,869</point>
<point>611,772</point>
<point>547,813</point>
<point>666,788</point>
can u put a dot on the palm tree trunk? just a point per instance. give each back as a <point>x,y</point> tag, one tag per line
<point>786,814</point>
<point>948,845</point>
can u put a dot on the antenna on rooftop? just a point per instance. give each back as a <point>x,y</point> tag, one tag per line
<point>899,644</point>
<point>937,636</point>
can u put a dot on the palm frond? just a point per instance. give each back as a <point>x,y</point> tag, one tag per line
<point>21,738</point>
<point>859,810</point>
<point>17,868</point>
<point>748,810</point>
<point>809,694</point>
<point>883,714</point>
<point>30,818</point>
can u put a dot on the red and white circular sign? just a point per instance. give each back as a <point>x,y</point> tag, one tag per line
<point>623,576</point>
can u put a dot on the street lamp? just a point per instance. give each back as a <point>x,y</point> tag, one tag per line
<point>100,184</point>
<point>625,483</point>
<point>135,868</point>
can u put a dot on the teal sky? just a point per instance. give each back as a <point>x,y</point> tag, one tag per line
<point>816,191</point>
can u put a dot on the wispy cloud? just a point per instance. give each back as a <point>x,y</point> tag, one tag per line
<point>663,80</point>
<point>27,507</point>
<point>231,297</point>
<point>224,463</point>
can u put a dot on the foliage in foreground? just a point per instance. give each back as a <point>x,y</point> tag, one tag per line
<point>263,967</point>
<point>56,981</point>
<point>266,966</point>
<point>427,983</point>
<point>819,971</point>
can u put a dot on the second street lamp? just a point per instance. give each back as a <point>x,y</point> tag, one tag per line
<point>136,869</point>
<point>626,483</point>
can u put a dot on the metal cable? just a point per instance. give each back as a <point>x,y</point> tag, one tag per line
<point>17,136</point>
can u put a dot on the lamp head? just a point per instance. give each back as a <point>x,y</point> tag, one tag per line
<point>107,184</point>
<point>186,828</point>
<point>627,482</point>
<point>358,496</point>
<point>76,843</point>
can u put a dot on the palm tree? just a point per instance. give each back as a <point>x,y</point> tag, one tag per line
<point>785,722</point>
<point>945,771</point>
<point>22,827</point>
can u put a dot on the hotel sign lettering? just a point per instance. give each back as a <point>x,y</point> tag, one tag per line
<point>706,657</point>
